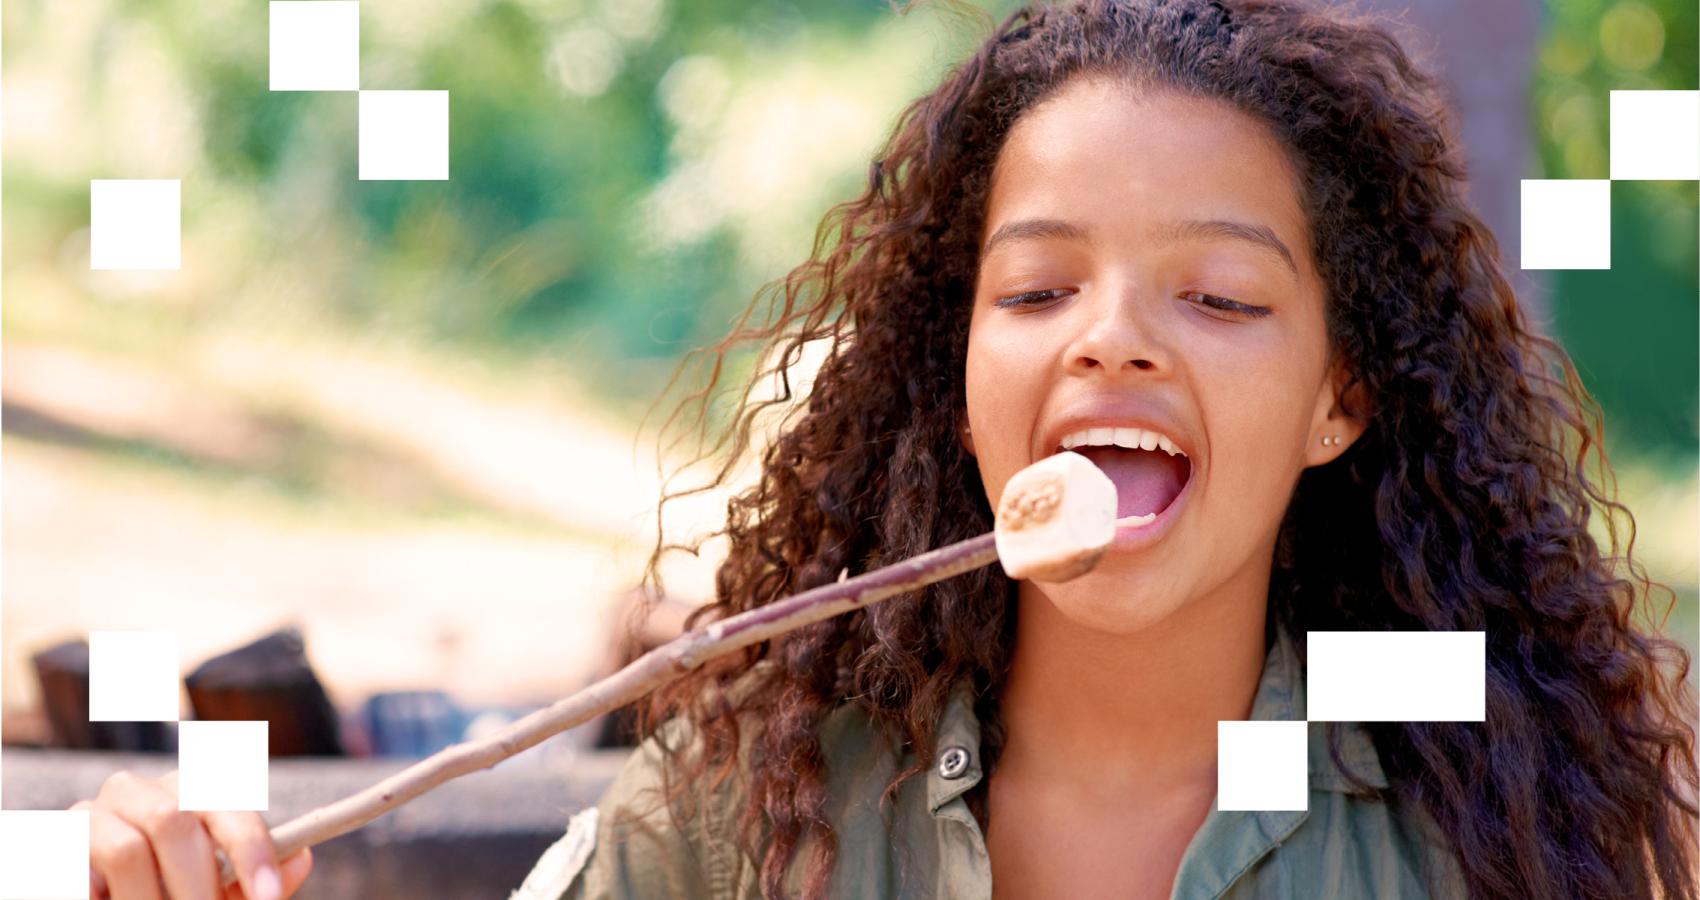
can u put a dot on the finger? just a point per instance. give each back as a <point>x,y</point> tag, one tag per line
<point>119,853</point>
<point>294,872</point>
<point>247,840</point>
<point>296,869</point>
<point>181,846</point>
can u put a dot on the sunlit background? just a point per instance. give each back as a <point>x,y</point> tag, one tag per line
<point>404,415</point>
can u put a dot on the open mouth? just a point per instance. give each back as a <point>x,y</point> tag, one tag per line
<point>1147,481</point>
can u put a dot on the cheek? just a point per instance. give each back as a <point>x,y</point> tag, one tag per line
<point>1004,386</point>
<point>1001,349</point>
<point>1256,437</point>
<point>1262,386</point>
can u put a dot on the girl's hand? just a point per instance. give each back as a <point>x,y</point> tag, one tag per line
<point>142,847</point>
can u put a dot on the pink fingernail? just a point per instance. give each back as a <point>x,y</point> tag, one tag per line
<point>267,884</point>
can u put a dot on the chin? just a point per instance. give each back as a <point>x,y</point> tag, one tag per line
<point>1108,605</point>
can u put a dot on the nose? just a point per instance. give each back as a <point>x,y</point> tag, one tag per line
<point>1119,333</point>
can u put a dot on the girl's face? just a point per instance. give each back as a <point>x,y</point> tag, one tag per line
<point>1165,261</point>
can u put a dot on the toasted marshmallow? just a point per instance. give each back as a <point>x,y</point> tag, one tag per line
<point>1055,519</point>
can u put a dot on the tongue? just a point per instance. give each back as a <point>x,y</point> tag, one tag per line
<point>1147,481</point>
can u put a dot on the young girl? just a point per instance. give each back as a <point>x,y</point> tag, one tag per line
<point>1232,230</point>
<point>1239,226</point>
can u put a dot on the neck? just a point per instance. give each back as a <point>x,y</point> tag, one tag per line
<point>1133,712</point>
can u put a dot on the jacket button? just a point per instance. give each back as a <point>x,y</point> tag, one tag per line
<point>953,762</point>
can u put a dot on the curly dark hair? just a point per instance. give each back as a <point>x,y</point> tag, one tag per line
<point>1464,506</point>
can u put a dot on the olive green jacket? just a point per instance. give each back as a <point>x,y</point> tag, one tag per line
<point>928,844</point>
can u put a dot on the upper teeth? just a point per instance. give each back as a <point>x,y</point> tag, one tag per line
<point>1131,438</point>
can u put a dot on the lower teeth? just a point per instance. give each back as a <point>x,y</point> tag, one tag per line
<point>1136,520</point>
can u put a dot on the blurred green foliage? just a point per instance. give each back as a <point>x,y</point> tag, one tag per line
<point>625,173</point>
<point>1632,330</point>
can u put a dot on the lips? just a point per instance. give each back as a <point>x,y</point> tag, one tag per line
<point>1147,481</point>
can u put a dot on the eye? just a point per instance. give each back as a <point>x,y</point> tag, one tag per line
<point>1226,305</point>
<point>1030,298</point>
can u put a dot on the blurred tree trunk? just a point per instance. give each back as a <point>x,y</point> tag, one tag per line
<point>1486,53</point>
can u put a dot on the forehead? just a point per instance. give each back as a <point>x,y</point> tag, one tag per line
<point>1098,152</point>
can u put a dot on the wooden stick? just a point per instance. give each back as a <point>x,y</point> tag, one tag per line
<point>1055,520</point>
<point>666,663</point>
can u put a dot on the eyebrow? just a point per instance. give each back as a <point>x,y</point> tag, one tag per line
<point>1260,236</point>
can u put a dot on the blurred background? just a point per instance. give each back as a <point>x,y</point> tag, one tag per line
<point>396,425</point>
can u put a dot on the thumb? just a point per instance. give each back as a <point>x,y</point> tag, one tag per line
<point>294,870</point>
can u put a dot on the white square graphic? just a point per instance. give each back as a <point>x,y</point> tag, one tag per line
<point>135,223</point>
<point>44,854</point>
<point>1262,766</point>
<point>1396,676</point>
<point>404,135</point>
<point>1566,223</point>
<point>222,766</point>
<point>1655,135</point>
<point>133,676</point>
<point>315,45</point>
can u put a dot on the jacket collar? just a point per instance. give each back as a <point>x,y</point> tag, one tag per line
<point>1280,697</point>
<point>959,727</point>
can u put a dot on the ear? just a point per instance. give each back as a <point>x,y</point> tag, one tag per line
<point>965,436</point>
<point>1339,417</point>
